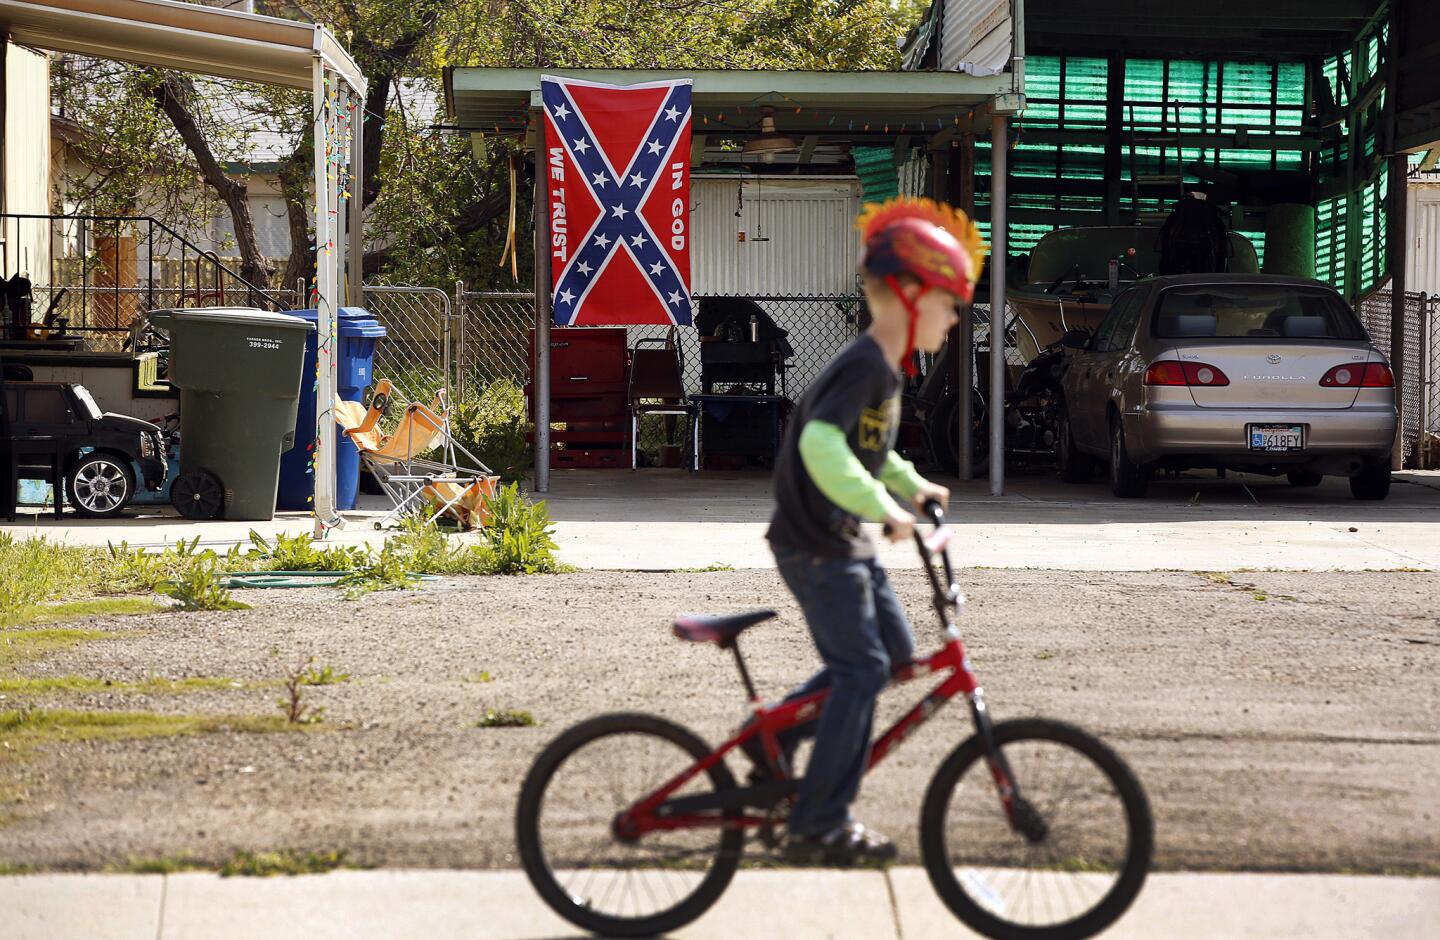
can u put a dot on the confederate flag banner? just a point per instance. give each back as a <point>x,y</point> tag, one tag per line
<point>617,169</point>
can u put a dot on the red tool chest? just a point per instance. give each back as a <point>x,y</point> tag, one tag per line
<point>589,395</point>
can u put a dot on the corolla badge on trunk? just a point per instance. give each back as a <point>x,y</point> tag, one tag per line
<point>1273,358</point>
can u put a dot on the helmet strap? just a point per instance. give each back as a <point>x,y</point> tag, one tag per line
<point>907,361</point>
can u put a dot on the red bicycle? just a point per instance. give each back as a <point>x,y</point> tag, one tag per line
<point>630,825</point>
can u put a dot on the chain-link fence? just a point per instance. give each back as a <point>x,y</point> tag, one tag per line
<point>416,352</point>
<point>1375,313</point>
<point>1429,418</point>
<point>493,336</point>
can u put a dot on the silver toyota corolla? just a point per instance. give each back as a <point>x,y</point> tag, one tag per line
<point>1249,372</point>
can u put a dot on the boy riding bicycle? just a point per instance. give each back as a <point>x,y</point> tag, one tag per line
<point>837,468</point>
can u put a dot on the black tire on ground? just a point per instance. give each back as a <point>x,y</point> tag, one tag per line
<point>1304,478</point>
<point>935,850</point>
<point>533,851</point>
<point>1373,480</point>
<point>1075,467</point>
<point>100,485</point>
<point>197,495</point>
<point>1128,480</point>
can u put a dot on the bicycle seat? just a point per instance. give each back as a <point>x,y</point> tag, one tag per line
<point>720,629</point>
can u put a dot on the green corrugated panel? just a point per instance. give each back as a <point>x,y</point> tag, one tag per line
<point>875,166</point>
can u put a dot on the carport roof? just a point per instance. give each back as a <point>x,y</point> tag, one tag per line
<point>829,104</point>
<point>183,36</point>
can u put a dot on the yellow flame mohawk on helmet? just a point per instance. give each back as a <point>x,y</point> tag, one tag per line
<point>937,243</point>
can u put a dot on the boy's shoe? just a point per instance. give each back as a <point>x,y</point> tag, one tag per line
<point>845,845</point>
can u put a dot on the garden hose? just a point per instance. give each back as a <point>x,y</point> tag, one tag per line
<point>296,579</point>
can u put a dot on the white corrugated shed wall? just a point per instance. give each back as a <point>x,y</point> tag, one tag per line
<point>799,236</point>
<point>1422,273</point>
<point>26,86</point>
<point>975,31</point>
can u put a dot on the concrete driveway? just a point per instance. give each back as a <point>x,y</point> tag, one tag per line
<point>663,520</point>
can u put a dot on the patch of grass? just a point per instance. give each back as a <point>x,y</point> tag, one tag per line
<point>1260,596</point>
<point>1044,654</point>
<point>18,646</point>
<point>477,678</point>
<point>76,610</point>
<point>385,570</point>
<point>1215,577</point>
<point>505,718</point>
<point>163,865</point>
<point>282,862</point>
<point>60,685</point>
<point>718,566</point>
<point>7,868</point>
<point>24,728</point>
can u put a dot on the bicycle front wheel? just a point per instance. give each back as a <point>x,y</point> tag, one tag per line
<point>1076,857</point>
<point>572,855</point>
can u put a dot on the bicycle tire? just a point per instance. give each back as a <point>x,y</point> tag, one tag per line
<point>532,849</point>
<point>1140,832</point>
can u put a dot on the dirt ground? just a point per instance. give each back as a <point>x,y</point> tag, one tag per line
<point>1279,721</point>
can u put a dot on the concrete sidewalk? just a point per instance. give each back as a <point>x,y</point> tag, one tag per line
<point>663,520</point>
<point>799,905</point>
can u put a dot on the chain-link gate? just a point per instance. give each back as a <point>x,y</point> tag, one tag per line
<point>1375,313</point>
<point>416,353</point>
<point>492,336</point>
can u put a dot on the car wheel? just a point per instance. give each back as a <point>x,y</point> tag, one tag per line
<point>1075,467</point>
<point>1373,480</point>
<point>100,485</point>
<point>1304,478</point>
<point>1128,480</point>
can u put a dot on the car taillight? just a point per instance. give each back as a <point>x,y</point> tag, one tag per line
<point>1367,375</point>
<point>1173,372</point>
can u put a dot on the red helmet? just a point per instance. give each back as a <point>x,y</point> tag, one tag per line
<point>936,244</point>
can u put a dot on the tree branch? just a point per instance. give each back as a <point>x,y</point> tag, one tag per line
<point>171,94</point>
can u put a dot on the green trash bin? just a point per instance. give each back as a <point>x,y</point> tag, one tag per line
<point>238,371</point>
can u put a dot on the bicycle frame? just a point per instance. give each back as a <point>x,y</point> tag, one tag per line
<point>658,812</point>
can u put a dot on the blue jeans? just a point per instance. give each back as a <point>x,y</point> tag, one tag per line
<point>860,630</point>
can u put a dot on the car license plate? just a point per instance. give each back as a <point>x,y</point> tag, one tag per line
<point>1276,437</point>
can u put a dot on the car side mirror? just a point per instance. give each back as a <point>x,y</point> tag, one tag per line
<point>1075,339</point>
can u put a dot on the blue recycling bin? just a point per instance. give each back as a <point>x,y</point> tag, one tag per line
<point>356,334</point>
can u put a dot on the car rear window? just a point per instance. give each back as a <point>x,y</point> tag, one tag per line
<point>1251,311</point>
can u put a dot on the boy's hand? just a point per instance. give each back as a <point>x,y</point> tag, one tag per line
<point>933,491</point>
<point>899,525</point>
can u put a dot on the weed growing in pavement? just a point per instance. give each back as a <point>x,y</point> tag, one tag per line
<point>384,570</point>
<point>283,862</point>
<point>505,718</point>
<point>293,705</point>
<point>325,675</point>
<point>478,678</point>
<point>519,534</point>
<point>199,587</point>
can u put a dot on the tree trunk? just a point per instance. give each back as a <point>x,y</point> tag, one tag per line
<point>295,185</point>
<point>172,93</point>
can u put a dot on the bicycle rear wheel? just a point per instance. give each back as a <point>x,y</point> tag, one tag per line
<point>1085,852</point>
<point>589,876</point>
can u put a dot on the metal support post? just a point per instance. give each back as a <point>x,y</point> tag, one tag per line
<point>998,154</point>
<point>965,381</point>
<point>540,385</point>
<point>325,290</point>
